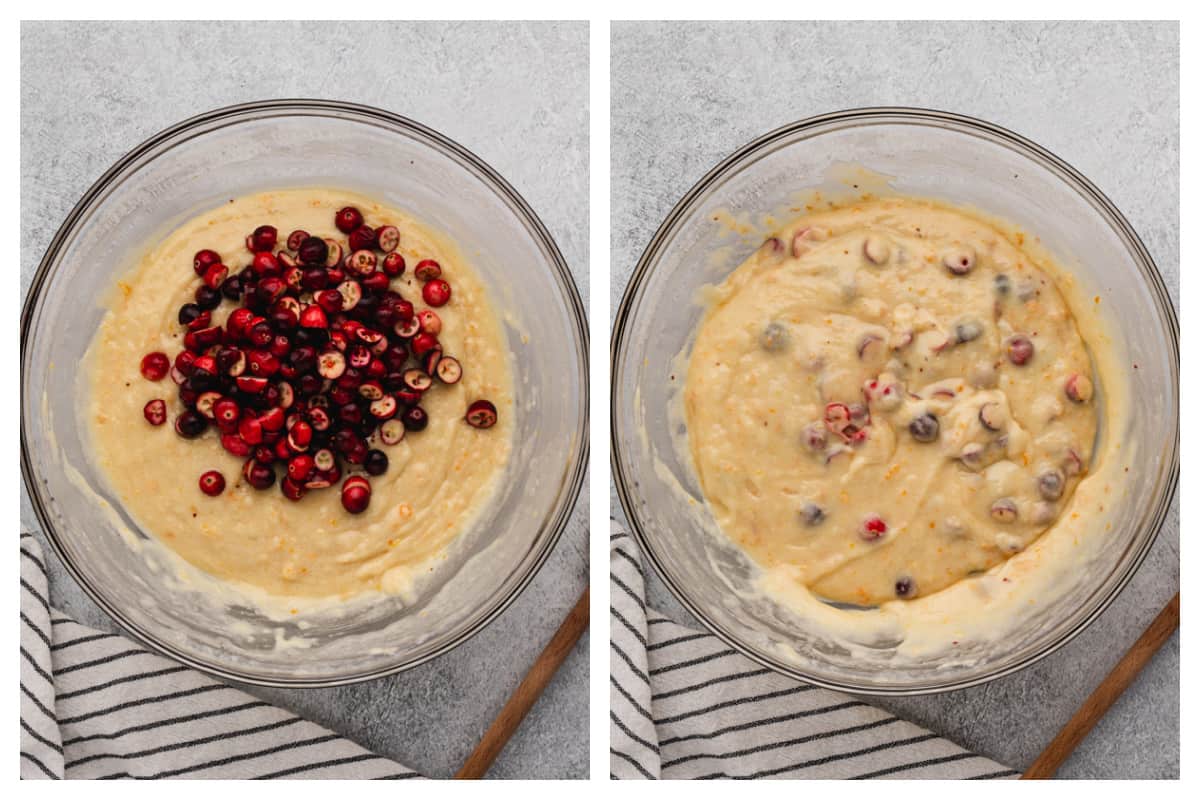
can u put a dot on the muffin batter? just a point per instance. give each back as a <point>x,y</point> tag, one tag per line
<point>438,478</point>
<point>886,398</point>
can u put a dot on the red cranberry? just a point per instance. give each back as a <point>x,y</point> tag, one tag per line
<point>251,430</point>
<point>190,424</point>
<point>1020,349</point>
<point>427,269</point>
<point>436,293</point>
<point>300,467</point>
<point>415,418</point>
<point>258,475</point>
<point>260,334</point>
<point>330,300</point>
<point>272,419</point>
<point>347,219</point>
<point>376,282</point>
<point>430,322</point>
<point>205,259</point>
<point>313,317</point>
<point>300,436</point>
<point>265,264</point>
<point>262,363</point>
<point>387,238</point>
<point>363,238</point>
<point>226,413</point>
<point>449,371</point>
<point>313,250</point>
<point>333,258</point>
<point>422,343</point>
<point>212,483</point>
<point>236,445</point>
<point>362,262</point>
<point>251,384</point>
<point>393,265</point>
<point>295,239</point>
<point>239,320</point>
<point>264,238</point>
<point>356,494</point>
<point>406,396</point>
<point>155,412</point>
<point>291,489</point>
<point>155,366</point>
<point>314,279</point>
<point>376,462</point>
<point>207,297</point>
<point>214,276</point>
<point>481,414</point>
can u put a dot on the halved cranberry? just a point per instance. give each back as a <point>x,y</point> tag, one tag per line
<point>204,366</point>
<point>205,404</point>
<point>449,371</point>
<point>391,431</point>
<point>1020,349</point>
<point>282,450</point>
<point>262,363</point>
<point>215,275</point>
<point>417,380</point>
<point>319,419</point>
<point>212,483</point>
<point>362,238</point>
<point>368,335</point>
<point>331,364</point>
<point>356,495</point>
<point>333,258</point>
<point>393,265</point>
<point>427,269</point>
<point>313,250</point>
<point>407,329</point>
<point>313,317</point>
<point>251,430</point>
<point>251,384</point>
<point>406,396</point>
<point>258,475</point>
<point>991,416</point>
<point>236,445</point>
<point>872,528</point>
<point>384,408</point>
<point>362,262</point>
<point>291,489</point>
<point>155,366</point>
<point>238,321</point>
<point>347,219</point>
<point>323,459</point>
<point>155,412</point>
<point>207,297</point>
<point>189,312</point>
<point>481,414</point>
<point>387,238</point>
<point>205,259</point>
<point>190,424</point>
<point>432,360</point>
<point>300,436</point>
<point>272,419</point>
<point>376,282</point>
<point>264,238</point>
<point>351,294</point>
<point>295,239</point>
<point>371,390</point>
<point>287,395</point>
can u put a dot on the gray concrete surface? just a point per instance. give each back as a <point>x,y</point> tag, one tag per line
<point>515,94</point>
<point>1103,96</point>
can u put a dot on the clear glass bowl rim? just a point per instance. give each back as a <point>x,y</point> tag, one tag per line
<point>814,126</point>
<point>161,143</point>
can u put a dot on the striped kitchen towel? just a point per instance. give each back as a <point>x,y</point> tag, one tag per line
<point>96,705</point>
<point>685,705</point>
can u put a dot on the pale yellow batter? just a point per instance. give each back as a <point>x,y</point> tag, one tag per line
<point>886,398</point>
<point>438,478</point>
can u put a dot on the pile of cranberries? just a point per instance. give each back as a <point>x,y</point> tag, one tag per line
<point>320,358</point>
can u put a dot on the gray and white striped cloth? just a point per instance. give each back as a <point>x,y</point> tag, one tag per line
<point>685,705</point>
<point>97,705</point>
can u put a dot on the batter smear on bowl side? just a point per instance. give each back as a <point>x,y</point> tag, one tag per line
<point>887,398</point>
<point>302,391</point>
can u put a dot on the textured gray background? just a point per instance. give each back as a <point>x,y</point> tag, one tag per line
<point>1103,96</point>
<point>516,95</point>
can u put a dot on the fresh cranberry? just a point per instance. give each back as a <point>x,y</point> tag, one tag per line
<point>205,259</point>
<point>226,414</point>
<point>348,219</point>
<point>258,475</point>
<point>236,445</point>
<point>313,250</point>
<point>393,265</point>
<point>436,293</point>
<point>387,238</point>
<point>190,424</point>
<point>264,238</point>
<point>314,317</point>
<point>430,322</point>
<point>155,412</point>
<point>215,275</point>
<point>427,269</point>
<point>481,414</point>
<point>155,366</point>
<point>265,263</point>
<point>291,489</point>
<point>356,494</point>
<point>300,467</point>
<point>207,297</point>
<point>363,238</point>
<point>212,483</point>
<point>232,287</point>
<point>376,462</point>
<point>295,239</point>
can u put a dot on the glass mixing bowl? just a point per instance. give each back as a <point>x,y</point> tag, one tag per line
<point>926,153</point>
<point>288,143</point>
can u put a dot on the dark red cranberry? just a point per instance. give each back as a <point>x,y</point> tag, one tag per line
<point>331,300</point>
<point>265,264</point>
<point>260,334</point>
<point>258,475</point>
<point>295,239</point>
<point>155,412</point>
<point>190,424</point>
<point>309,384</point>
<point>155,366</point>
<point>415,418</point>
<point>350,414</point>
<point>387,238</point>
<point>205,259</point>
<point>376,462</point>
<point>358,453</point>
<point>303,359</point>
<point>232,287</point>
<point>356,494</point>
<point>291,489</point>
<point>427,269</point>
<point>393,265</point>
<point>272,419</point>
<point>313,250</point>
<point>344,441</point>
<point>436,293</point>
<point>269,290</point>
<point>481,414</point>
<point>363,238</point>
<point>347,219</point>
<point>251,384</point>
<point>314,279</point>
<point>406,396</point>
<point>283,319</point>
<point>264,238</point>
<point>207,297</point>
<point>189,312</point>
<point>376,282</point>
<point>212,483</point>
